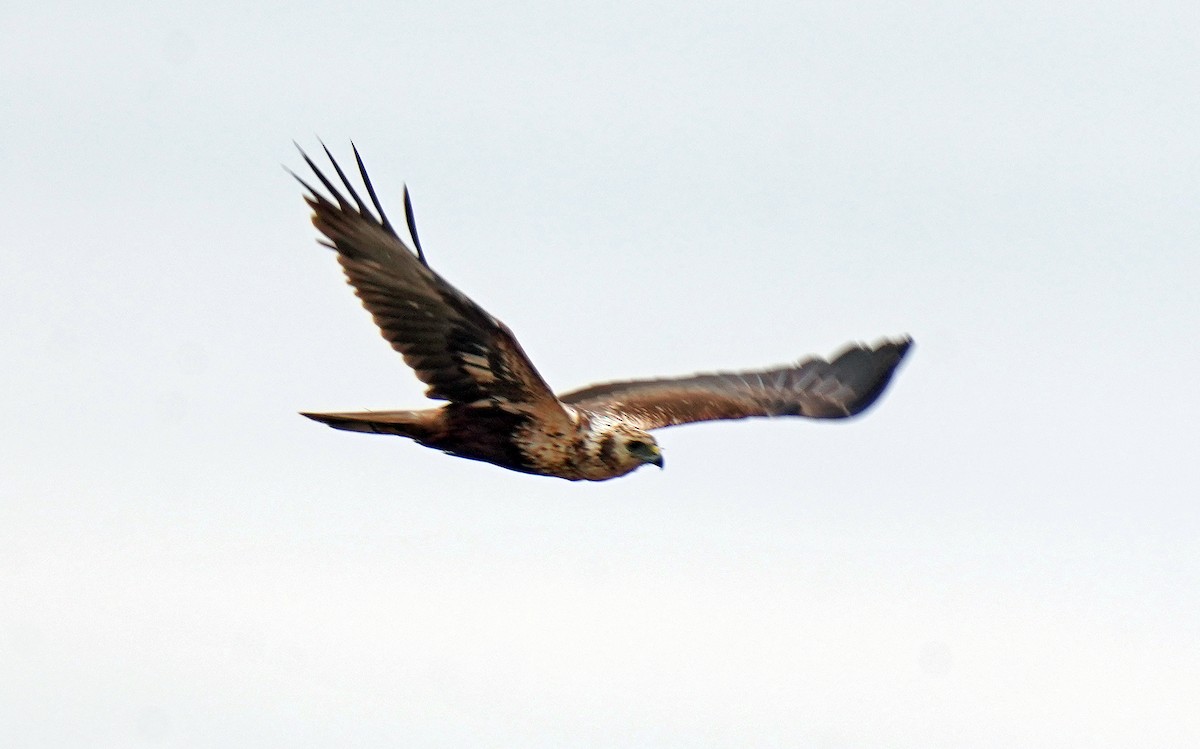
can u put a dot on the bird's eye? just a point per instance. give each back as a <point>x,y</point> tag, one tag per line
<point>637,446</point>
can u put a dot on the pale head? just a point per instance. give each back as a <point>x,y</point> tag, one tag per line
<point>618,447</point>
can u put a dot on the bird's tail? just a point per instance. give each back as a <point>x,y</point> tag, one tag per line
<point>414,424</point>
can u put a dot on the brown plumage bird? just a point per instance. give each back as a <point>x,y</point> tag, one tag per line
<point>500,410</point>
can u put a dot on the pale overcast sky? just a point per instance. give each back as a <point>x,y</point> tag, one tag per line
<point>1003,552</point>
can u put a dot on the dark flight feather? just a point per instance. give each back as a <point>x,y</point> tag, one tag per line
<point>815,388</point>
<point>460,351</point>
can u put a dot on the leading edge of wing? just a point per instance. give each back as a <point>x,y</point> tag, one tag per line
<point>841,387</point>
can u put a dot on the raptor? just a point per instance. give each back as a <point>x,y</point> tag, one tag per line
<point>498,408</point>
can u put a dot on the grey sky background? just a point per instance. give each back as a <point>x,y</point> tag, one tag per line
<point>1002,553</point>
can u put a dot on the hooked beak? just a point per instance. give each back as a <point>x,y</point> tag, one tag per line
<point>647,452</point>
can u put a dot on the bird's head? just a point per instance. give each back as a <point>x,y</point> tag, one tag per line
<point>614,447</point>
<point>640,447</point>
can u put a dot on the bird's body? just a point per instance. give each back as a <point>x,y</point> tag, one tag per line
<point>586,447</point>
<point>500,410</point>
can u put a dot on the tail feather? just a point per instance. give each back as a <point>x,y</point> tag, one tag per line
<point>413,424</point>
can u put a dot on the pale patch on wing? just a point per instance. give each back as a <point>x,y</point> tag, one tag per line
<point>477,367</point>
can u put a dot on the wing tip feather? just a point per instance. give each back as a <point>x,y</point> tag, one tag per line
<point>885,359</point>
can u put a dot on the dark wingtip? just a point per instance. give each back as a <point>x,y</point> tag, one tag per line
<point>412,227</point>
<point>362,207</point>
<point>885,358</point>
<point>362,170</point>
<point>329,186</point>
<point>295,176</point>
<point>337,195</point>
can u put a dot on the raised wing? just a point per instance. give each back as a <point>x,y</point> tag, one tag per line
<point>455,347</point>
<point>815,388</point>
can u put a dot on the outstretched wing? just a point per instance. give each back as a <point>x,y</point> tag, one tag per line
<point>815,388</point>
<point>455,347</point>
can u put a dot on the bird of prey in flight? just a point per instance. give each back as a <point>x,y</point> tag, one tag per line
<point>499,409</point>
